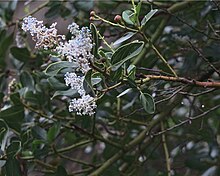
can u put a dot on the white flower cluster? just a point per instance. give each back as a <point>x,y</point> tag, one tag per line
<point>77,49</point>
<point>44,37</point>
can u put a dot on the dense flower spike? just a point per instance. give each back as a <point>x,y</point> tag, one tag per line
<point>84,105</point>
<point>77,49</point>
<point>75,82</point>
<point>44,37</point>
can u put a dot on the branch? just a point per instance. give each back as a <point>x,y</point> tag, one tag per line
<point>166,151</point>
<point>188,120</point>
<point>181,80</point>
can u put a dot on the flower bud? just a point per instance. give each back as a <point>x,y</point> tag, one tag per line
<point>92,13</point>
<point>92,18</point>
<point>117,18</point>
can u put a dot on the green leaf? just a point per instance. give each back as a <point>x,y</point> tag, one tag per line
<point>148,17</point>
<point>13,116</point>
<point>125,37</point>
<point>127,17</point>
<point>60,171</point>
<point>84,6</point>
<point>124,92</point>
<point>15,98</point>
<point>53,11</point>
<point>125,53</point>
<point>13,149</point>
<point>138,9</point>
<point>39,133</point>
<point>95,39</point>
<point>87,84</point>
<point>12,167</point>
<point>54,68</point>
<point>21,54</point>
<point>53,132</point>
<point>4,45</point>
<point>3,134</point>
<point>69,93</point>
<point>27,80</point>
<point>95,81</point>
<point>57,84</point>
<point>131,72</point>
<point>116,75</point>
<point>147,102</point>
<point>2,163</point>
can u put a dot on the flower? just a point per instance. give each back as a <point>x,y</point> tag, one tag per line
<point>75,82</point>
<point>83,106</point>
<point>44,37</point>
<point>77,49</point>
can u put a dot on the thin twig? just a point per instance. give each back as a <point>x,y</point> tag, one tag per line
<point>188,120</point>
<point>204,58</point>
<point>167,157</point>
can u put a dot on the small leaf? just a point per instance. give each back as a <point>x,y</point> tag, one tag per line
<point>4,45</point>
<point>13,149</point>
<point>54,68</point>
<point>3,134</point>
<point>21,54</point>
<point>57,84</point>
<point>127,16</point>
<point>15,98</point>
<point>125,37</point>
<point>39,133</point>
<point>124,92</point>
<point>148,17</point>
<point>53,11</point>
<point>12,167</point>
<point>27,80</point>
<point>95,40</point>
<point>69,93</point>
<point>125,53</point>
<point>95,81</point>
<point>61,171</point>
<point>13,116</point>
<point>147,102</point>
<point>138,9</point>
<point>131,71</point>
<point>87,84</point>
<point>53,132</point>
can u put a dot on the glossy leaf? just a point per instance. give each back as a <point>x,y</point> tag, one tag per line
<point>68,93</point>
<point>95,40</point>
<point>61,171</point>
<point>13,116</point>
<point>21,54</point>
<point>53,132</point>
<point>3,134</point>
<point>124,92</point>
<point>127,17</point>
<point>147,102</point>
<point>148,17</point>
<point>87,84</point>
<point>27,80</point>
<point>125,53</point>
<point>54,68</point>
<point>4,46</point>
<point>12,167</point>
<point>125,37</point>
<point>131,72</point>
<point>13,149</point>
